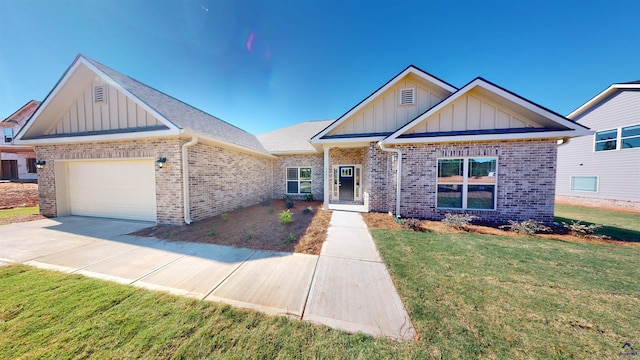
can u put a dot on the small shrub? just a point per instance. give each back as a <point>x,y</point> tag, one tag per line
<point>582,230</point>
<point>288,201</point>
<point>286,217</point>
<point>249,235</point>
<point>225,216</point>
<point>239,207</point>
<point>289,238</point>
<point>266,201</point>
<point>308,197</point>
<point>413,224</point>
<point>213,233</point>
<point>399,220</point>
<point>457,221</point>
<point>307,210</point>
<point>271,210</point>
<point>527,227</point>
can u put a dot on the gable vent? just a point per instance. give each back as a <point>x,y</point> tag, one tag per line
<point>99,94</point>
<point>407,96</point>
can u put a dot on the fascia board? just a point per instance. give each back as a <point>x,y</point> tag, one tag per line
<point>409,70</point>
<point>63,80</point>
<point>491,137</point>
<point>95,138</point>
<point>225,144</point>
<point>349,140</point>
<point>601,96</point>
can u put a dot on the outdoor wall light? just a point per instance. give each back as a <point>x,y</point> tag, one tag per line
<point>161,162</point>
<point>40,164</point>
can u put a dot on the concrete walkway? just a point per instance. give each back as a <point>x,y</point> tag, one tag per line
<point>346,287</point>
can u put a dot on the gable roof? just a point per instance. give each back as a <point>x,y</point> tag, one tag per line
<point>553,124</point>
<point>411,69</point>
<point>179,117</point>
<point>24,112</point>
<point>293,139</point>
<point>633,85</point>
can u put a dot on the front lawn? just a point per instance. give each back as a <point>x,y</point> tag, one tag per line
<point>617,224</point>
<point>468,295</point>
<point>21,214</point>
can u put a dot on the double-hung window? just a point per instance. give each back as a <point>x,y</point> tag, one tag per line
<point>630,137</point>
<point>298,180</point>
<point>467,183</point>
<point>607,140</point>
<point>8,135</point>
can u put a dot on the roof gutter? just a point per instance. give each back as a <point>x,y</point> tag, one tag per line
<point>398,174</point>
<point>185,179</point>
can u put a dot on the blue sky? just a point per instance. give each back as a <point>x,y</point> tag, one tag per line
<point>262,65</point>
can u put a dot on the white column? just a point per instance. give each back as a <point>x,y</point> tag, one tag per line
<point>327,168</point>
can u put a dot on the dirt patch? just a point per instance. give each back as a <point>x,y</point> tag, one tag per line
<point>257,227</point>
<point>386,221</point>
<point>13,195</point>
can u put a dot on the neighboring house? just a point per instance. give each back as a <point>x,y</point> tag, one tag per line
<point>603,169</point>
<point>416,147</point>
<point>17,162</point>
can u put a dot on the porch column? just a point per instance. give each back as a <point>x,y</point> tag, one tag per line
<point>326,178</point>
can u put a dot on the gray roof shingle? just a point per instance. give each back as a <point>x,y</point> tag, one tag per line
<point>293,139</point>
<point>182,115</point>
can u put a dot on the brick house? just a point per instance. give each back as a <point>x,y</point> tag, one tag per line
<point>416,147</point>
<point>17,162</point>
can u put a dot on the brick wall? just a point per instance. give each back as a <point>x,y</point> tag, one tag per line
<point>316,162</point>
<point>380,180</point>
<point>624,205</point>
<point>222,180</point>
<point>526,179</point>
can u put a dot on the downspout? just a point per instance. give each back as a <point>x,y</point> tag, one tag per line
<point>398,174</point>
<point>185,179</point>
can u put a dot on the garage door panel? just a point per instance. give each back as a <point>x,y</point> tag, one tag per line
<point>122,189</point>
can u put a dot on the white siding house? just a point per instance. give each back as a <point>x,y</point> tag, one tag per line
<point>603,169</point>
<point>17,162</point>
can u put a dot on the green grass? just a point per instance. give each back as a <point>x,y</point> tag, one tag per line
<point>618,225</point>
<point>473,295</point>
<point>469,296</point>
<point>24,211</point>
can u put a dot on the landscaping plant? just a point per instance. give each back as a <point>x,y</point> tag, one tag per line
<point>457,221</point>
<point>579,229</point>
<point>527,227</point>
<point>225,216</point>
<point>286,217</point>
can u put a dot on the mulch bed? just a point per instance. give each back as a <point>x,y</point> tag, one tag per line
<point>257,227</point>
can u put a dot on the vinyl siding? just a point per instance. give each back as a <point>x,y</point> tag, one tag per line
<point>618,170</point>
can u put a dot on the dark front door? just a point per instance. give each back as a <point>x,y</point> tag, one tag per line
<point>9,169</point>
<point>346,183</point>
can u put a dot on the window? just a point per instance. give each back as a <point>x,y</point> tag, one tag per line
<point>298,180</point>
<point>467,183</point>
<point>8,135</point>
<point>584,183</point>
<point>606,140</point>
<point>615,139</point>
<point>31,165</point>
<point>630,137</point>
<point>407,96</point>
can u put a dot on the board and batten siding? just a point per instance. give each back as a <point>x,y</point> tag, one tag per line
<point>385,114</point>
<point>472,112</point>
<point>117,112</point>
<point>618,170</point>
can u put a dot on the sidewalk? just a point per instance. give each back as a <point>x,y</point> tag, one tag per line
<point>346,287</point>
<point>351,288</point>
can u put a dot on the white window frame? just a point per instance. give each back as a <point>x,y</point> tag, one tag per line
<point>619,138</point>
<point>7,139</point>
<point>298,180</point>
<point>465,182</point>
<point>585,176</point>
<point>401,97</point>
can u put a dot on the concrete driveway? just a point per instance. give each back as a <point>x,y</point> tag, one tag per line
<point>335,288</point>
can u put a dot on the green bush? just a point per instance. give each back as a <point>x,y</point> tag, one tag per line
<point>286,217</point>
<point>213,233</point>
<point>582,230</point>
<point>288,201</point>
<point>249,235</point>
<point>307,210</point>
<point>308,197</point>
<point>289,238</point>
<point>413,224</point>
<point>225,216</point>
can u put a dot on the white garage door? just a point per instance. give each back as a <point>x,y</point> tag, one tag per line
<point>122,189</point>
